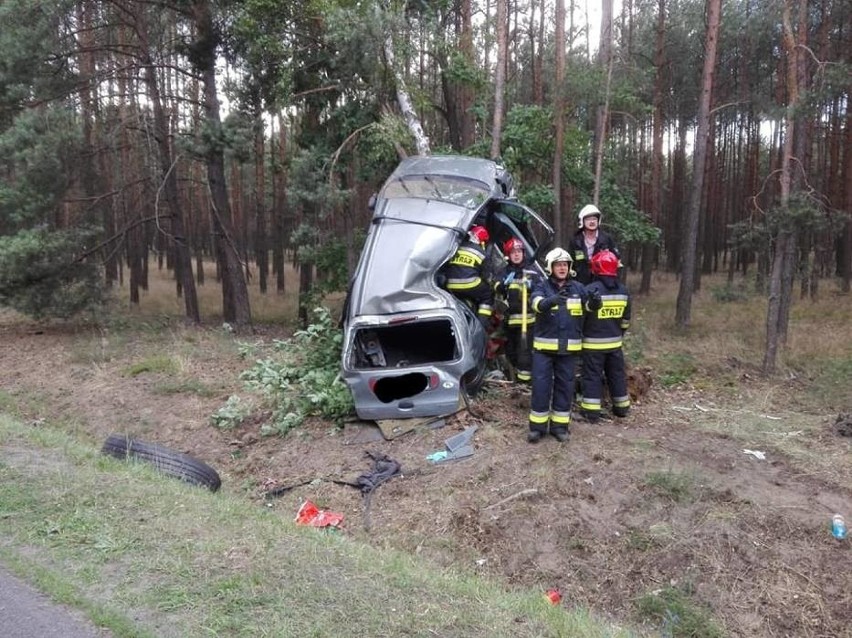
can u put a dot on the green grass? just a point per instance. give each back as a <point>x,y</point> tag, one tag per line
<point>676,368</point>
<point>677,615</point>
<point>186,386</point>
<point>677,486</point>
<point>157,363</point>
<point>7,402</point>
<point>145,555</point>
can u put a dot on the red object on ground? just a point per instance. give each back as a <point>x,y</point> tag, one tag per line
<point>553,596</point>
<point>310,514</point>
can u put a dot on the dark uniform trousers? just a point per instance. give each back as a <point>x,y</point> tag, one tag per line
<point>603,337</point>
<point>611,364</point>
<point>519,351</point>
<point>514,286</point>
<point>552,391</point>
<point>557,345</point>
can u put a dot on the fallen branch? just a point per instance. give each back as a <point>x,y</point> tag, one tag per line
<point>527,492</point>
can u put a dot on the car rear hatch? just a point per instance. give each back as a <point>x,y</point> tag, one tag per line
<point>409,366</point>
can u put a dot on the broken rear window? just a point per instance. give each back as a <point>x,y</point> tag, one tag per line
<point>462,192</point>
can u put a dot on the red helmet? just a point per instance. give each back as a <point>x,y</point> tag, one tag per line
<point>510,244</point>
<point>605,263</point>
<point>480,234</point>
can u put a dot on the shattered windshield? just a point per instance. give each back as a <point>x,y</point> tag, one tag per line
<point>461,192</point>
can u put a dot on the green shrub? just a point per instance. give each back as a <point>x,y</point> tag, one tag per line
<point>303,379</point>
<point>730,293</point>
<point>231,414</point>
<point>43,273</point>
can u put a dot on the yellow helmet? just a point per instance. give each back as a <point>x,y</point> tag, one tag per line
<point>557,254</point>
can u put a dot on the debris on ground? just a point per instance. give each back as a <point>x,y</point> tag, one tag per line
<point>384,469</point>
<point>310,514</point>
<point>456,447</point>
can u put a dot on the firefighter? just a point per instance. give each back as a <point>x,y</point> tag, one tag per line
<point>588,240</point>
<point>560,304</point>
<point>514,284</point>
<point>465,274</point>
<point>603,333</point>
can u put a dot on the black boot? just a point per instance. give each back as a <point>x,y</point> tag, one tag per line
<point>534,436</point>
<point>588,415</point>
<point>560,434</point>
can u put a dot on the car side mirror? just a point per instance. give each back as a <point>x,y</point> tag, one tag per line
<point>371,203</point>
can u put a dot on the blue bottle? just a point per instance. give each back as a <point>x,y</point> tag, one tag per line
<point>838,527</point>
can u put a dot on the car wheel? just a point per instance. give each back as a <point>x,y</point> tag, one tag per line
<point>472,380</point>
<point>167,461</point>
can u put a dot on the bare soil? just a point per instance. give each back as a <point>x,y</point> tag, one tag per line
<point>626,509</point>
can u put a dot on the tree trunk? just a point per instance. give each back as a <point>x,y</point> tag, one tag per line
<point>169,185</point>
<point>655,199</point>
<point>844,254</point>
<point>260,239</point>
<point>466,93</point>
<point>693,216</point>
<point>403,99</point>
<point>235,300</point>
<point>538,59</point>
<point>502,28</point>
<point>780,284</point>
<point>558,121</point>
<point>602,119</point>
<point>279,208</point>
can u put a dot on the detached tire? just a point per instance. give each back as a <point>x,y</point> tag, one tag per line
<point>167,461</point>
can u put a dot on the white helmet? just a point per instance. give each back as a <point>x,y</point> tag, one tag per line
<point>587,211</point>
<point>557,254</point>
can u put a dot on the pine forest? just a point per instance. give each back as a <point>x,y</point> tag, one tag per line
<point>230,140</point>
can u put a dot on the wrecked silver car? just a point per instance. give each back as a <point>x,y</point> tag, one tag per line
<point>410,347</point>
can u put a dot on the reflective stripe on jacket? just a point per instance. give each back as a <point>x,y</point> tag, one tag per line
<point>558,330</point>
<point>513,292</point>
<point>465,269</point>
<point>604,329</point>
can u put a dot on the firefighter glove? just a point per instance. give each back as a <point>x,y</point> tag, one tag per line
<point>548,302</point>
<point>594,303</point>
<point>564,292</point>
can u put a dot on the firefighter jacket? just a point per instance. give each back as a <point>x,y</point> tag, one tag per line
<point>466,270</point>
<point>577,248</point>
<point>558,327</point>
<point>515,284</point>
<point>604,328</point>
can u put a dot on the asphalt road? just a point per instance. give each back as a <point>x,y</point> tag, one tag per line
<point>27,613</point>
